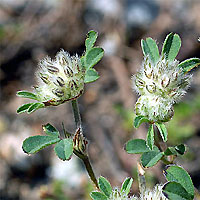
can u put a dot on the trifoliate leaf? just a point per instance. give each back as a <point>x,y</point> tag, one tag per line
<point>150,137</point>
<point>126,186</point>
<point>171,46</point>
<point>170,151</point>
<point>149,159</point>
<point>175,191</point>
<point>105,186</point>
<point>136,146</point>
<point>50,130</point>
<point>90,40</point>
<point>150,48</point>
<point>34,144</point>
<point>163,131</point>
<point>189,64</point>
<point>91,75</point>
<point>139,120</point>
<point>180,149</point>
<point>25,94</point>
<point>34,107</point>
<point>98,196</point>
<point>177,174</point>
<point>64,149</point>
<point>23,108</point>
<point>93,56</point>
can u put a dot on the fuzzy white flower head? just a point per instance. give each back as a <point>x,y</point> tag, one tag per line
<point>160,86</point>
<point>161,82</point>
<point>118,195</point>
<point>155,194</point>
<point>59,80</point>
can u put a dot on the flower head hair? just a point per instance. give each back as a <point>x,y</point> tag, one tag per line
<point>162,80</point>
<point>62,79</point>
<point>59,80</point>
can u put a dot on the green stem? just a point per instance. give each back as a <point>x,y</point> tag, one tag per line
<point>77,116</point>
<point>88,167</point>
<point>157,143</point>
<point>166,162</point>
<point>83,157</point>
<point>141,179</point>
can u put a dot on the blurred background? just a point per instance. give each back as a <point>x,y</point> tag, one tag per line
<point>32,29</point>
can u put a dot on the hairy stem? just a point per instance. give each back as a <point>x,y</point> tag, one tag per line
<point>83,157</point>
<point>77,116</point>
<point>141,179</point>
<point>88,167</point>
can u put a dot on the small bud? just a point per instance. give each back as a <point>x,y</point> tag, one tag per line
<point>80,143</point>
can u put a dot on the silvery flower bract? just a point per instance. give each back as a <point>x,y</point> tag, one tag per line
<point>59,80</point>
<point>160,83</point>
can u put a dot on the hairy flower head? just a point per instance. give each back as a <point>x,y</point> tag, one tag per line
<point>155,194</point>
<point>159,87</point>
<point>120,195</point>
<point>59,80</point>
<point>162,80</point>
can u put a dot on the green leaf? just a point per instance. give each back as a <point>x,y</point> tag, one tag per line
<point>139,120</point>
<point>163,131</point>
<point>83,61</point>
<point>179,175</point>
<point>171,46</point>
<point>93,56</point>
<point>105,186</point>
<point>90,40</point>
<point>136,146</point>
<point>98,196</point>
<point>150,137</point>
<point>170,151</point>
<point>23,108</point>
<point>189,64</point>
<point>25,94</point>
<point>150,48</point>
<point>50,130</point>
<point>126,186</point>
<point>34,107</point>
<point>34,144</point>
<point>175,191</point>
<point>91,75</point>
<point>64,149</point>
<point>180,149</point>
<point>149,159</point>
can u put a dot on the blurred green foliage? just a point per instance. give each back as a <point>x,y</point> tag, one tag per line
<point>126,115</point>
<point>58,190</point>
<point>180,128</point>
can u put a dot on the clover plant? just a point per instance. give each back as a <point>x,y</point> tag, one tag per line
<point>161,82</point>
